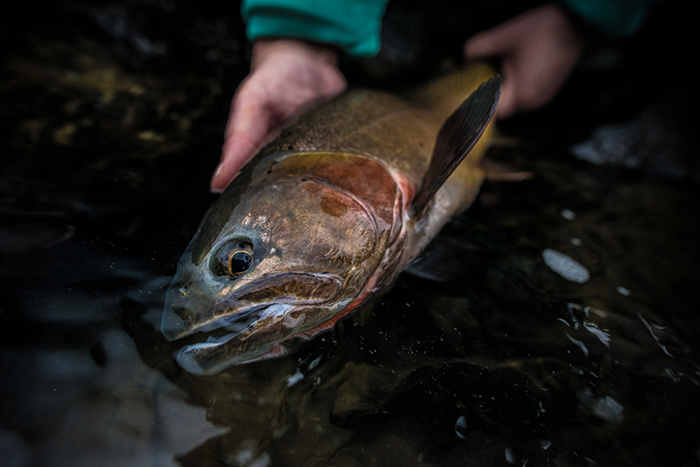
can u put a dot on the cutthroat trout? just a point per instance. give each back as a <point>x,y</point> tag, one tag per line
<point>326,216</point>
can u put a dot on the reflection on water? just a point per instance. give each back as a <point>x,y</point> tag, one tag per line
<point>566,332</point>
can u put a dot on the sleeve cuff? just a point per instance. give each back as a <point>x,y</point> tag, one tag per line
<point>354,27</point>
<point>615,18</point>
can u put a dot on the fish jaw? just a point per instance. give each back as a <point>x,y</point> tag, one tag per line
<point>273,331</point>
<point>238,347</point>
<point>198,302</point>
<point>247,326</point>
<point>266,331</point>
<point>203,359</point>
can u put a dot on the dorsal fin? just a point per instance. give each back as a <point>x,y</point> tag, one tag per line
<point>458,135</point>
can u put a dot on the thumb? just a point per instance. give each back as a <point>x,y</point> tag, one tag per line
<point>506,102</point>
<point>487,45</point>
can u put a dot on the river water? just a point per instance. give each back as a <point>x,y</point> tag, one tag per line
<point>554,323</point>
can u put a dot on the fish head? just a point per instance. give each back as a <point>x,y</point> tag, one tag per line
<point>272,264</point>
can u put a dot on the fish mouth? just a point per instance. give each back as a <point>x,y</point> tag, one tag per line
<point>232,322</point>
<point>249,335</point>
<point>189,309</point>
<point>256,322</point>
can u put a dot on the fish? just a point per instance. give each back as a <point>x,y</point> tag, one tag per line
<point>326,216</point>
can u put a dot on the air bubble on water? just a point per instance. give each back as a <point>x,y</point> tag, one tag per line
<point>295,378</point>
<point>568,214</point>
<point>461,427</point>
<point>565,266</point>
<point>314,363</point>
<point>510,457</point>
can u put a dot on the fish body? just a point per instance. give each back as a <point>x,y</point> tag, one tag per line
<point>327,215</point>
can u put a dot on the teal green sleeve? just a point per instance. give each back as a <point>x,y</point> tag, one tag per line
<point>617,18</point>
<point>353,26</point>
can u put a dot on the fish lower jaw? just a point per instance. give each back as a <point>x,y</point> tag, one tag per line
<point>196,358</point>
<point>202,350</point>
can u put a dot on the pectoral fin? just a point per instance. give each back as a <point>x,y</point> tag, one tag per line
<point>458,135</point>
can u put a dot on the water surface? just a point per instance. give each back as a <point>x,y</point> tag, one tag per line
<point>555,324</point>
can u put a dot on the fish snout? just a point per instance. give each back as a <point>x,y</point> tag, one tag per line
<point>177,315</point>
<point>186,307</point>
<point>188,311</point>
<point>172,326</point>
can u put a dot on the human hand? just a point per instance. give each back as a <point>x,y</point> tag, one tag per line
<point>287,77</point>
<point>538,51</point>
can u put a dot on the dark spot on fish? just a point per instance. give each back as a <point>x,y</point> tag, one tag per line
<point>181,312</point>
<point>362,177</point>
<point>334,204</point>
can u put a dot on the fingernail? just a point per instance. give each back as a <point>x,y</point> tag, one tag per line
<point>217,172</point>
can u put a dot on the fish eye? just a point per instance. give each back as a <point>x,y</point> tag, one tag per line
<point>232,259</point>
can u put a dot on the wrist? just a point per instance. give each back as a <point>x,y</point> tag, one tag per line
<point>264,49</point>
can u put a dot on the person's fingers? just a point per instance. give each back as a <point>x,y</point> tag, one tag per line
<point>490,44</point>
<point>287,79</point>
<point>236,153</point>
<point>496,43</point>
<point>537,52</point>
<point>524,88</point>
<point>506,102</point>
<point>487,44</point>
<point>248,127</point>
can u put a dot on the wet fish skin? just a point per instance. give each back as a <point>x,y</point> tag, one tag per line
<point>324,215</point>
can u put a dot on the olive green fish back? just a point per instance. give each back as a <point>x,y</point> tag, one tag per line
<point>400,131</point>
